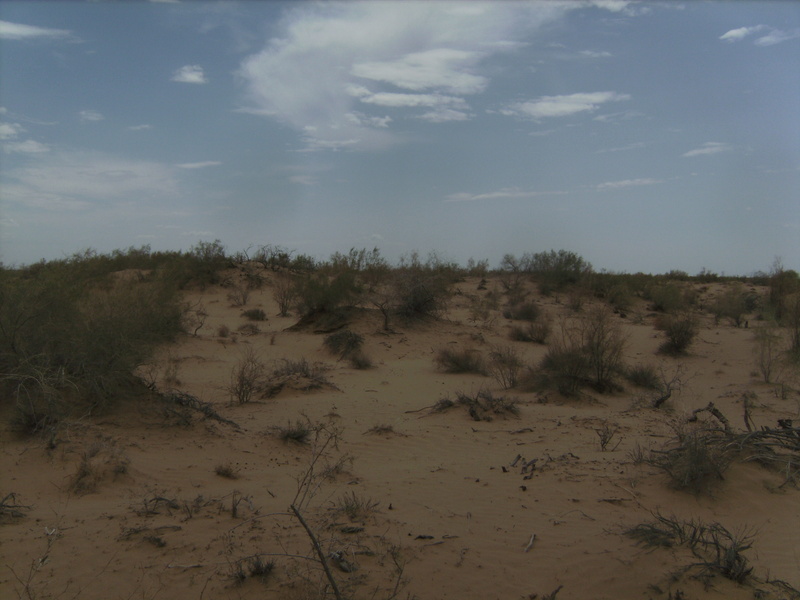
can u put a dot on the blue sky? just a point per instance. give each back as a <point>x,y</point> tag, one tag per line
<point>645,136</point>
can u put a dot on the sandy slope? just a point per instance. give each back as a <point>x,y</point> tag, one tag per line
<point>450,511</point>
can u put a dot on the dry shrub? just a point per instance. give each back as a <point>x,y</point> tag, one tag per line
<point>644,376</point>
<point>467,360</point>
<point>505,365</point>
<point>680,331</point>
<point>344,343</point>
<point>482,406</point>
<point>537,332</point>
<point>246,377</point>
<point>523,311</point>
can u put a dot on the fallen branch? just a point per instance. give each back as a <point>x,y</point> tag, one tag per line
<point>318,549</point>
<point>530,543</point>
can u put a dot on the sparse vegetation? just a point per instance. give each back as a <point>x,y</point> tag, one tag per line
<point>481,406</point>
<point>505,365</point>
<point>467,360</point>
<point>246,377</point>
<point>255,314</point>
<point>680,331</point>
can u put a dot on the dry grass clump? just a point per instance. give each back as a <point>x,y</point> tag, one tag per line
<point>348,345</point>
<point>227,470</point>
<point>299,374</point>
<point>537,332</point>
<point>643,376</point>
<point>719,550</point>
<point>522,311</point>
<point>355,506</point>
<point>505,365</point>
<point>466,360</point>
<point>255,314</point>
<point>298,432</point>
<point>100,461</point>
<point>481,406</point>
<point>246,377</point>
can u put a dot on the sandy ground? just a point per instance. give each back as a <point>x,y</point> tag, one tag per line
<point>449,513</point>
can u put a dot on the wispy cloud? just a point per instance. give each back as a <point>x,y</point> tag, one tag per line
<point>26,147</point>
<point>10,131</point>
<point>775,36</point>
<point>72,180</point>
<point>90,115</point>
<point>615,185</point>
<point>633,146</point>
<point>18,31</point>
<point>422,58</point>
<point>511,193</point>
<point>303,179</point>
<point>562,106</point>
<point>140,127</point>
<point>708,148</point>
<point>190,74</point>
<point>199,165</point>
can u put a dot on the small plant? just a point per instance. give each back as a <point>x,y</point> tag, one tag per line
<point>606,434</point>
<point>680,331</point>
<point>769,352</point>
<point>382,429</point>
<point>523,311</point>
<point>297,433</point>
<point>467,360</point>
<point>223,331</point>
<point>355,507</point>
<point>240,294</point>
<point>538,331</point>
<point>227,471</point>
<point>359,360</point>
<point>643,376</point>
<point>505,365</point>
<point>246,377</point>
<point>255,314</point>
<point>482,406</point>
<point>344,343</point>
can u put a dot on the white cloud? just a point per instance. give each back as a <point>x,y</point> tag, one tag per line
<point>26,147</point>
<point>595,54</point>
<point>512,193</point>
<point>709,148</point>
<point>90,115</point>
<point>312,74</point>
<point>3,110</point>
<point>190,74</point>
<point>736,35</point>
<point>140,127</point>
<point>303,179</point>
<point>199,165</point>
<point>440,68</point>
<point>775,36</point>
<point>10,131</point>
<point>18,31</point>
<point>78,179</point>
<point>615,185</point>
<point>562,106</point>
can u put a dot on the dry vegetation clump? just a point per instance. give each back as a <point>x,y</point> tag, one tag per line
<point>11,510</point>
<point>481,406</point>
<point>298,432</point>
<point>522,311</point>
<point>355,506</point>
<point>643,376</point>
<point>505,365</point>
<point>246,377</point>
<point>255,314</point>
<point>719,550</point>
<point>297,374</point>
<point>538,331</point>
<point>348,345</point>
<point>466,360</point>
<point>101,460</point>
<point>680,331</point>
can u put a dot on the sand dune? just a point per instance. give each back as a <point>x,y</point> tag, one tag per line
<point>173,504</point>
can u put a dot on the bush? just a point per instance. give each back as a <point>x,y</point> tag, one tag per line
<point>467,360</point>
<point>537,331</point>
<point>246,377</point>
<point>734,304</point>
<point>322,294</point>
<point>255,314</point>
<point>505,365</point>
<point>344,343</point>
<point>419,294</point>
<point>644,376</point>
<point>667,298</point>
<point>680,332</point>
<point>524,311</point>
<point>71,339</point>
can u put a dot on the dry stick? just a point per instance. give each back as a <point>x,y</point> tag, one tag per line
<point>530,544</point>
<point>715,412</point>
<point>319,551</point>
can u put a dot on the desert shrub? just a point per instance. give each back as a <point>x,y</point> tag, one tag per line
<point>344,343</point>
<point>644,376</point>
<point>246,377</point>
<point>734,304</point>
<point>768,352</point>
<point>70,340</point>
<point>680,331</point>
<point>239,294</point>
<point>782,284</point>
<point>667,297</point>
<point>524,311</point>
<point>255,314</point>
<point>555,270</point>
<point>420,294</point>
<point>355,506</point>
<point>564,367</point>
<point>320,293</point>
<point>467,360</point>
<point>505,365</point>
<point>538,331</point>
<point>298,432</point>
<point>359,360</point>
<point>695,459</point>
<point>603,343</point>
<point>285,293</point>
<point>482,406</point>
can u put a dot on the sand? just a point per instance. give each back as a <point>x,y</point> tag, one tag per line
<point>449,512</point>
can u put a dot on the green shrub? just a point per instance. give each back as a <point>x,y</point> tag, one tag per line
<point>70,339</point>
<point>667,297</point>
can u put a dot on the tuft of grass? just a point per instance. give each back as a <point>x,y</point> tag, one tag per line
<point>344,343</point>
<point>481,406</point>
<point>227,471</point>
<point>467,360</point>
<point>537,332</point>
<point>522,311</point>
<point>297,433</point>
<point>355,506</point>
<point>644,376</point>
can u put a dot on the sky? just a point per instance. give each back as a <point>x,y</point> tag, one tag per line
<point>645,136</point>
